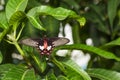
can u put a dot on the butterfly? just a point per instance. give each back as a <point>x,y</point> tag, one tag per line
<point>45,45</point>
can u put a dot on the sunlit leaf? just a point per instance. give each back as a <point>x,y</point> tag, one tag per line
<point>98,51</point>
<point>82,21</point>
<point>77,72</point>
<point>62,78</point>
<point>3,25</point>
<point>3,21</point>
<point>34,19</point>
<point>18,17</point>
<point>103,74</point>
<point>29,75</point>
<point>71,70</point>
<point>58,13</point>
<point>12,72</point>
<point>4,69</point>
<point>15,5</point>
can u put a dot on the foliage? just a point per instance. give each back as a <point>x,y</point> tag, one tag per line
<point>35,18</point>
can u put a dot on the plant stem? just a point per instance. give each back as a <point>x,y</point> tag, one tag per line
<point>18,36</point>
<point>22,53</point>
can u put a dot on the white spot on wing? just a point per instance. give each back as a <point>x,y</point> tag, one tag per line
<point>49,48</point>
<point>41,47</point>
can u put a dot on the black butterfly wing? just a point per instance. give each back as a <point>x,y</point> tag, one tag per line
<point>30,42</point>
<point>58,41</point>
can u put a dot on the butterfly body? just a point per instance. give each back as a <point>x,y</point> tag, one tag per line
<point>45,45</point>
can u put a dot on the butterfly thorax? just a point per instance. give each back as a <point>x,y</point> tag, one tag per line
<point>45,47</point>
<point>45,43</point>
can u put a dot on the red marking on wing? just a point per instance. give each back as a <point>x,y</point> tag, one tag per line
<point>45,44</point>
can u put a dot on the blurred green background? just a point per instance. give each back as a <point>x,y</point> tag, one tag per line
<point>102,28</point>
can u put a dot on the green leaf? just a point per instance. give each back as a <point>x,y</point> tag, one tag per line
<point>29,75</point>
<point>70,69</point>
<point>111,44</point>
<point>58,13</point>
<point>62,78</point>
<point>82,21</point>
<point>92,49</point>
<point>39,62</point>
<point>12,72</point>
<point>51,76</point>
<point>15,5</point>
<point>51,25</point>
<point>3,21</point>
<point>3,25</point>
<point>4,69</point>
<point>103,74</point>
<point>112,10</point>
<point>96,16</point>
<point>74,4</point>
<point>74,71</point>
<point>34,18</point>
<point>1,57</point>
<point>17,17</point>
<point>2,34</point>
<point>38,77</point>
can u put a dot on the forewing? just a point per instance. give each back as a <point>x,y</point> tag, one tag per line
<point>60,41</point>
<point>30,42</point>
